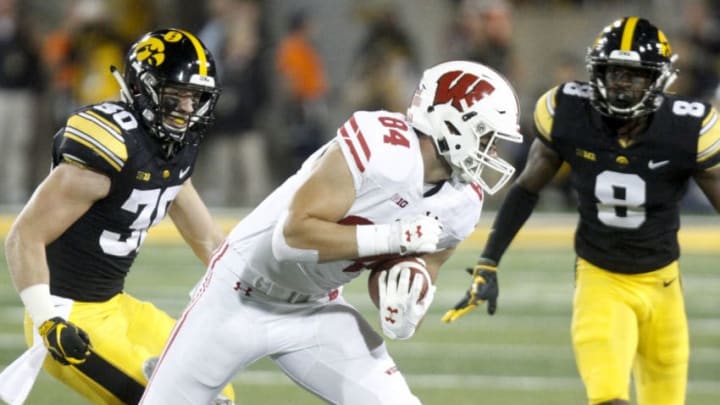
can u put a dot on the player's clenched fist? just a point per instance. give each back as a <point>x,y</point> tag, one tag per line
<point>67,343</point>
<point>417,235</point>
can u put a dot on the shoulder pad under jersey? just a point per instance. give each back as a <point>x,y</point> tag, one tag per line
<point>464,214</point>
<point>708,156</point>
<point>381,146</point>
<point>95,136</point>
<point>544,114</point>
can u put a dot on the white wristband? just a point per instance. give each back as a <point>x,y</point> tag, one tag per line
<point>373,240</point>
<point>38,304</point>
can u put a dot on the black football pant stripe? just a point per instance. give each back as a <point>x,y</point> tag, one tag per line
<point>112,379</point>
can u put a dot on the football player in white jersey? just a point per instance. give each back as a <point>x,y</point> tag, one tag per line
<point>388,184</point>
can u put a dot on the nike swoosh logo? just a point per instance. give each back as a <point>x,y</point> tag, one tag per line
<point>667,283</point>
<point>183,172</point>
<point>652,165</point>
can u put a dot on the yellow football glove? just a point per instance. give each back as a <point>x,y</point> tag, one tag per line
<point>67,343</point>
<point>484,287</point>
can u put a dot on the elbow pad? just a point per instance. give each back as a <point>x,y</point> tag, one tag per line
<point>286,253</point>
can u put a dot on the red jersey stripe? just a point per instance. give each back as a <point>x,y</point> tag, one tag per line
<point>351,146</point>
<point>478,190</point>
<point>360,137</point>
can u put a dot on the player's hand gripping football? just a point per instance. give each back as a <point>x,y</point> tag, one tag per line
<point>416,235</point>
<point>484,288</point>
<point>67,343</point>
<point>401,309</point>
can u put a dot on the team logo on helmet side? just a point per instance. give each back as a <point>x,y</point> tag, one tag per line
<point>151,51</point>
<point>456,86</point>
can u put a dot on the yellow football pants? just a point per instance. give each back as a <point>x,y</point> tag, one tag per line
<point>124,333</point>
<point>627,324</point>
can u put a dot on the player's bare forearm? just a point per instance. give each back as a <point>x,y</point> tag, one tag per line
<point>541,167</point>
<point>332,241</point>
<point>709,183</point>
<point>194,222</point>
<point>26,260</point>
<point>65,195</point>
<point>317,207</point>
<point>435,260</point>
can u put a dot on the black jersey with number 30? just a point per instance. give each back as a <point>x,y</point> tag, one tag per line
<point>628,195</point>
<point>89,262</point>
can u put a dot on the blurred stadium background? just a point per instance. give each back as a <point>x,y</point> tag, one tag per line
<point>371,54</point>
<point>522,355</point>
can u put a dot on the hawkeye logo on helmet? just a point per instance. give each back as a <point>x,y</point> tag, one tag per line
<point>457,86</point>
<point>151,50</point>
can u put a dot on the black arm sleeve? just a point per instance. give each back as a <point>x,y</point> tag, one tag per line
<point>514,211</point>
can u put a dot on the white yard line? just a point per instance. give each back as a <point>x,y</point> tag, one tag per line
<point>471,381</point>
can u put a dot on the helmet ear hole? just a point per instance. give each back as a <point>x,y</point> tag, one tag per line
<point>451,128</point>
<point>442,145</point>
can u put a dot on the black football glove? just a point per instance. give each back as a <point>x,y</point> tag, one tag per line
<point>484,288</point>
<point>67,343</point>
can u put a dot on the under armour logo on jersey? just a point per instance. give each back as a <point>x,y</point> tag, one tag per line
<point>457,86</point>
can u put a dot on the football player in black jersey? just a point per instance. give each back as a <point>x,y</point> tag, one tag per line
<point>632,148</point>
<point>118,168</point>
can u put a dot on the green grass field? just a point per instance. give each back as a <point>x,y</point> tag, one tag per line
<point>520,356</point>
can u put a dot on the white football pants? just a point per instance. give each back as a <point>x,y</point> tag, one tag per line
<point>325,346</point>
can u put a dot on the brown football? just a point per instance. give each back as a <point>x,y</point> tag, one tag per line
<point>377,270</point>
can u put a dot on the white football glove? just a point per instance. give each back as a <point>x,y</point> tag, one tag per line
<point>400,311</point>
<point>417,235</point>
